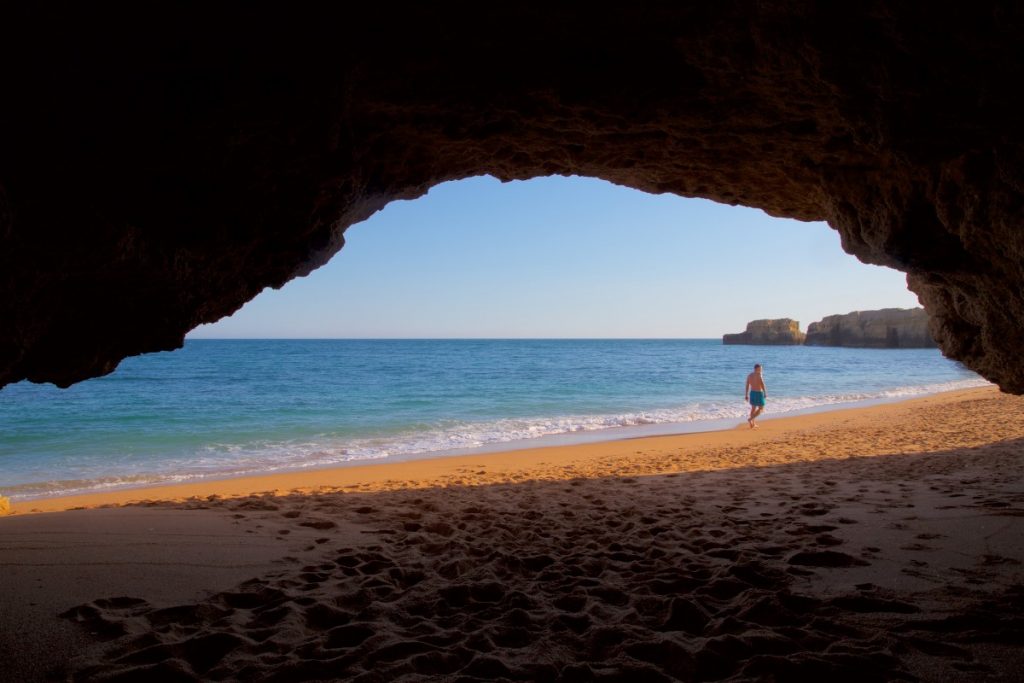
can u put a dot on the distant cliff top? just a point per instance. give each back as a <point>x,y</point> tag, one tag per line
<point>888,328</point>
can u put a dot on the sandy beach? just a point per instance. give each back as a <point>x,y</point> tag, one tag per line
<point>870,544</point>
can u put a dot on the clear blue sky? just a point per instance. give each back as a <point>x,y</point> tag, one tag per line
<point>567,257</point>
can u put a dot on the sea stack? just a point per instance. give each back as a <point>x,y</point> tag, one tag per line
<point>780,332</point>
<point>888,328</point>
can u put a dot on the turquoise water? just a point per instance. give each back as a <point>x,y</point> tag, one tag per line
<point>228,407</point>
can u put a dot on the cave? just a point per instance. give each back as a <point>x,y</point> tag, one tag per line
<point>160,168</point>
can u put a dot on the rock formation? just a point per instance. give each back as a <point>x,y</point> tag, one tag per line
<point>780,332</point>
<point>888,328</point>
<point>157,177</point>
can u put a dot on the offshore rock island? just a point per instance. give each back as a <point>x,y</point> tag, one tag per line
<point>780,332</point>
<point>887,328</point>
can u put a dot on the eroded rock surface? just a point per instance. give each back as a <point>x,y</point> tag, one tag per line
<point>159,170</point>
<point>888,328</point>
<point>781,332</point>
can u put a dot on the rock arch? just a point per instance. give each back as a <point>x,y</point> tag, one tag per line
<point>157,177</point>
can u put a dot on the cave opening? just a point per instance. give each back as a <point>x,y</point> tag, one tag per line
<point>563,257</point>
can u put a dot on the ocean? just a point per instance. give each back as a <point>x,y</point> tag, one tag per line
<point>220,408</point>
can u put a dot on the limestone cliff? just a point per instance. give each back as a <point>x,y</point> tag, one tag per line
<point>781,332</point>
<point>888,328</point>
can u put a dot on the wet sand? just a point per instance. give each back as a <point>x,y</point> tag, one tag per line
<point>881,543</point>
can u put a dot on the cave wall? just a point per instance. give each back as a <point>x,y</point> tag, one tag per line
<point>161,164</point>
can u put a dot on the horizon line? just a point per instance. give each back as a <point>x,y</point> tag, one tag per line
<point>450,338</point>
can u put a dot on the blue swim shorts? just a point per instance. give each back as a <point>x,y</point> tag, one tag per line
<point>757,398</point>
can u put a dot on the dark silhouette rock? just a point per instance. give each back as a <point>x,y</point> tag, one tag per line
<point>781,332</point>
<point>158,169</point>
<point>888,328</point>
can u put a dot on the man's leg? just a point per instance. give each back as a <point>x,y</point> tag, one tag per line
<point>754,412</point>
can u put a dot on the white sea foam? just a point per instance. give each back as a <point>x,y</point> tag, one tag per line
<point>229,460</point>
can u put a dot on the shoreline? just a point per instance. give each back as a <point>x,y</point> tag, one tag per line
<point>423,472</point>
<point>95,441</point>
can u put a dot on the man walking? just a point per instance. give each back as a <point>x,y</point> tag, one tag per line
<point>755,391</point>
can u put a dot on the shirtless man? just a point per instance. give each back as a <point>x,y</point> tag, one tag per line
<point>755,391</point>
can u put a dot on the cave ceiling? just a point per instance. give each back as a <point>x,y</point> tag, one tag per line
<point>162,165</point>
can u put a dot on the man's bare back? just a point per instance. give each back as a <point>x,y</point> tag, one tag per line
<point>755,381</point>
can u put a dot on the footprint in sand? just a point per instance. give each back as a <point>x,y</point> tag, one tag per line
<point>826,558</point>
